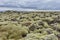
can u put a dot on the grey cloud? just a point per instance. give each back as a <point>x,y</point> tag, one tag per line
<point>31,4</point>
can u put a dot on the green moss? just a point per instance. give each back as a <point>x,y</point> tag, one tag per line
<point>29,25</point>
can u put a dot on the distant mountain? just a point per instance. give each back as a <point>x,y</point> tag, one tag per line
<point>31,7</point>
<point>20,6</point>
<point>10,6</point>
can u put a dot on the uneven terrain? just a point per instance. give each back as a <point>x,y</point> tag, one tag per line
<point>29,25</point>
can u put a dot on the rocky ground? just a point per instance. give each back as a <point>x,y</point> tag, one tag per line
<point>29,25</point>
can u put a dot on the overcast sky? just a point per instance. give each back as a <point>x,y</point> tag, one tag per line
<point>30,4</point>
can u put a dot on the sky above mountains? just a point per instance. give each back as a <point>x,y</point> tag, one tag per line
<point>30,4</point>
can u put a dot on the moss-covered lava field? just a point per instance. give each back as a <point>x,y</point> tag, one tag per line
<point>29,25</point>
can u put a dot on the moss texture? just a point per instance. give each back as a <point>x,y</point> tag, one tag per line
<point>16,25</point>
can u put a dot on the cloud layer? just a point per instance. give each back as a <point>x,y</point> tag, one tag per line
<point>31,4</point>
